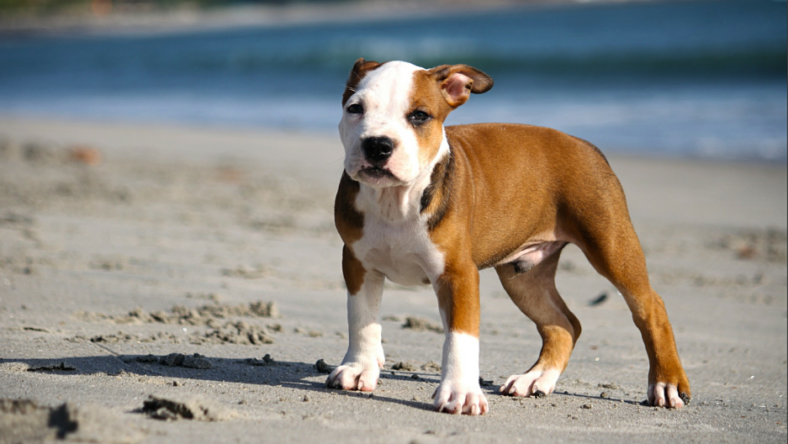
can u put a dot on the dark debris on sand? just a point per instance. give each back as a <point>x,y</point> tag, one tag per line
<point>421,324</point>
<point>211,316</point>
<point>192,408</point>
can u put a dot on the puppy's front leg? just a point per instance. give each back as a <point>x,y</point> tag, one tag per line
<point>458,297</point>
<point>361,366</point>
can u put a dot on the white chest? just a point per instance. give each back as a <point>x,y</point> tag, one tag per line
<point>401,251</point>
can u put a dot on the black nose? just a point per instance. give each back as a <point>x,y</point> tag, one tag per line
<point>377,149</point>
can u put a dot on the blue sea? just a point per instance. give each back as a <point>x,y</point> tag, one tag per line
<point>679,79</point>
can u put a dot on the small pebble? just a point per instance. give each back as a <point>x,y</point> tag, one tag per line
<point>322,367</point>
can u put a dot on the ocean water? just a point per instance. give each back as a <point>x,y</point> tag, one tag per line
<point>684,79</point>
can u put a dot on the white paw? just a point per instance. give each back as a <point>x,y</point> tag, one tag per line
<point>534,383</point>
<point>354,376</point>
<point>664,395</point>
<point>457,397</point>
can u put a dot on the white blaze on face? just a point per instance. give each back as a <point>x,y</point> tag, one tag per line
<point>385,96</point>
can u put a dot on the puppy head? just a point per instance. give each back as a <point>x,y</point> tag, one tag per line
<point>393,114</point>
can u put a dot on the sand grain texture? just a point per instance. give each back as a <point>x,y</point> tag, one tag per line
<point>216,247</point>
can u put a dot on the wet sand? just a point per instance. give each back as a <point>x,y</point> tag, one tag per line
<point>180,284</point>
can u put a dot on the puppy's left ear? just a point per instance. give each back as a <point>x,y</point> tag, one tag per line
<point>360,69</point>
<point>457,82</point>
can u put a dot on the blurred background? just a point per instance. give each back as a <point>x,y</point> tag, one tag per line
<point>659,78</point>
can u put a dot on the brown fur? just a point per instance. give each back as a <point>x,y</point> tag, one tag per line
<point>504,187</point>
<point>527,185</point>
<point>360,69</point>
<point>350,224</point>
<point>436,198</point>
<point>535,294</point>
<point>430,100</point>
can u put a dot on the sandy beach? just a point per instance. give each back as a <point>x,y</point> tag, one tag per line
<point>168,284</point>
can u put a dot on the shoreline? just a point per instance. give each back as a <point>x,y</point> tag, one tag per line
<point>723,193</point>
<point>9,119</point>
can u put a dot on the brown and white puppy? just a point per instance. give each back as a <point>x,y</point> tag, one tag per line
<point>421,204</point>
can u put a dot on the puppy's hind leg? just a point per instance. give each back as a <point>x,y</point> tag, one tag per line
<point>535,294</point>
<point>617,255</point>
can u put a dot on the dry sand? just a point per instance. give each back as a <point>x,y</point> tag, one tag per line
<point>138,264</point>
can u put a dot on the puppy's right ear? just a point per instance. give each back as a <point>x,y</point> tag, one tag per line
<point>360,69</point>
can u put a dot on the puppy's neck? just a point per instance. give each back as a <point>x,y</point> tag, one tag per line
<point>402,203</point>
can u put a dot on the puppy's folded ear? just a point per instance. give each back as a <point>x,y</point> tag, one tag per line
<point>457,82</point>
<point>360,69</point>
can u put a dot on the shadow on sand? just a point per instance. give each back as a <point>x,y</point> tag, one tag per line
<point>295,375</point>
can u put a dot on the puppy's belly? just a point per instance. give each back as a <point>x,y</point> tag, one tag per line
<point>530,256</point>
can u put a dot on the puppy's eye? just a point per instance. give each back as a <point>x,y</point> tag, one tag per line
<point>418,117</point>
<point>355,109</point>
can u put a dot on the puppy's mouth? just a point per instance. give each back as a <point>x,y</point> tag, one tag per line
<point>374,172</point>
